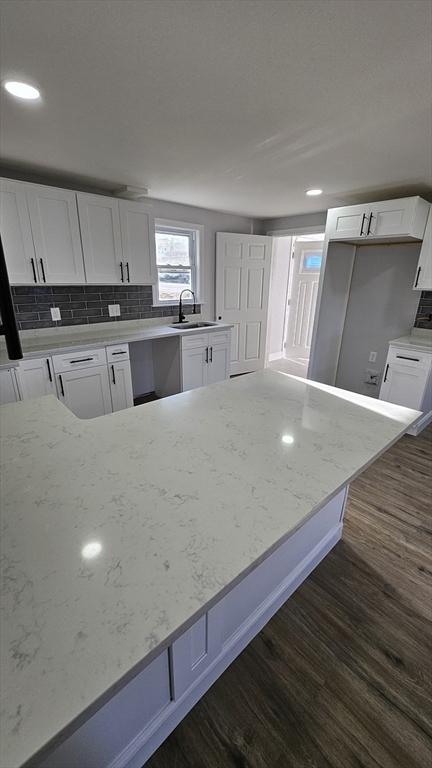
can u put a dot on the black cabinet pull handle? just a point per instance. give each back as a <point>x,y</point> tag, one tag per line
<point>82,360</point>
<point>207,355</point>
<point>61,384</point>
<point>121,272</point>
<point>127,272</point>
<point>34,270</point>
<point>417,277</point>
<point>123,352</point>
<point>220,317</point>
<point>43,271</point>
<point>404,357</point>
<point>362,224</point>
<point>370,224</point>
<point>211,354</point>
<point>113,375</point>
<point>49,370</point>
<point>386,371</point>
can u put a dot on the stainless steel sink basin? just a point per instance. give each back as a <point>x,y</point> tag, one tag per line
<point>189,326</point>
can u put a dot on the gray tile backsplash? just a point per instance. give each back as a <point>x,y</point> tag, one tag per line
<point>81,304</point>
<point>424,312</point>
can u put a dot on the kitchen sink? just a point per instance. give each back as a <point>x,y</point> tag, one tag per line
<point>189,326</point>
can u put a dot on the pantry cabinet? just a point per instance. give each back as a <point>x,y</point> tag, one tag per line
<point>423,276</point>
<point>16,233</point>
<point>205,359</point>
<point>36,377</point>
<point>56,235</point>
<point>9,391</point>
<point>403,219</point>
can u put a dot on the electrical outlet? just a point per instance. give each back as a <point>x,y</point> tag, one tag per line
<point>371,377</point>
<point>372,357</point>
<point>55,313</point>
<point>114,310</point>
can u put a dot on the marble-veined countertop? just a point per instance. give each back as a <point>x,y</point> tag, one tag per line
<point>184,496</point>
<point>59,340</point>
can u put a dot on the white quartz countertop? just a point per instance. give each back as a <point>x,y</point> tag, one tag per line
<point>184,496</point>
<point>419,342</point>
<point>58,341</point>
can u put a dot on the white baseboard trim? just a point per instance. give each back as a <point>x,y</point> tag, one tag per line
<point>149,739</point>
<point>421,424</point>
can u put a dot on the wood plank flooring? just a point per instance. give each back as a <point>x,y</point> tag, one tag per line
<point>341,677</point>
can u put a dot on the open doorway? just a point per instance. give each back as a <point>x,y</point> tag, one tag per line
<point>296,266</point>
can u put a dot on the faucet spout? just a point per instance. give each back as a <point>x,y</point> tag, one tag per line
<point>182,317</point>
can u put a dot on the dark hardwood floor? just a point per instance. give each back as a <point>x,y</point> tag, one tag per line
<point>341,676</point>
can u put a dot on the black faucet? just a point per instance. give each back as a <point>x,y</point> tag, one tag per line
<point>182,317</point>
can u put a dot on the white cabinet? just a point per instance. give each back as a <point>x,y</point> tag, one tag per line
<point>101,238</point>
<point>401,219</point>
<point>120,376</point>
<point>36,377</point>
<point>423,276</point>
<point>9,391</point>
<point>56,234</point>
<point>16,233</point>
<point>407,381</point>
<point>205,358</point>
<point>138,241</point>
<point>86,391</point>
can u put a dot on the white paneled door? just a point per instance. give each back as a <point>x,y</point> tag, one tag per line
<point>305,265</point>
<point>242,289</point>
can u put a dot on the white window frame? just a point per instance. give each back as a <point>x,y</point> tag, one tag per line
<point>197,232</point>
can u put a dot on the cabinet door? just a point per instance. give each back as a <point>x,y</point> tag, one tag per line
<point>56,235</point>
<point>347,222</point>
<point>219,362</point>
<point>121,385</point>
<point>86,392</point>
<point>404,382</point>
<point>16,233</point>
<point>36,377</point>
<point>138,240</point>
<point>9,392</point>
<point>194,368</point>
<point>394,217</point>
<point>423,276</point>
<point>100,232</point>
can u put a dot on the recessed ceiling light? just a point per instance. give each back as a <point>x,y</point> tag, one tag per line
<point>22,90</point>
<point>92,549</point>
<point>314,192</point>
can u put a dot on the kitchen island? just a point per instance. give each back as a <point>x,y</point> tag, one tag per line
<point>142,550</point>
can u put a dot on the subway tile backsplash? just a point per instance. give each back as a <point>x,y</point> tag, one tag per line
<point>81,304</point>
<point>424,312</point>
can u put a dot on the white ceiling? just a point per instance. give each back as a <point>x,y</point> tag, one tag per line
<point>237,105</point>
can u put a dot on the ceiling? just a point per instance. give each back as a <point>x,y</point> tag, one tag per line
<point>236,105</point>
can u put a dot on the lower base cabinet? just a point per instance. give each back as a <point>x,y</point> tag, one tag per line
<point>127,730</point>
<point>9,392</point>
<point>36,377</point>
<point>407,381</point>
<point>121,385</point>
<point>86,392</point>
<point>205,359</point>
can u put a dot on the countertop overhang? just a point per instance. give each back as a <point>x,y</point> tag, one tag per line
<point>184,496</point>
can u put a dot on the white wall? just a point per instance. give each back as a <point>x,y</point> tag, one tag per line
<point>382,306</point>
<point>281,255</point>
<point>292,222</point>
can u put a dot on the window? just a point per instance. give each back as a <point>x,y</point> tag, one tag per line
<point>176,261</point>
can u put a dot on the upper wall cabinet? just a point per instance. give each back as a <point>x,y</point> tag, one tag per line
<point>138,240</point>
<point>118,240</point>
<point>56,234</point>
<point>403,220</point>
<point>16,233</point>
<point>423,277</point>
<point>101,239</point>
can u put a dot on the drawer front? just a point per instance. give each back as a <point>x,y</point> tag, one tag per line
<point>195,340</point>
<point>219,337</point>
<point>409,358</point>
<point>117,352</point>
<point>111,730</point>
<point>84,359</point>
